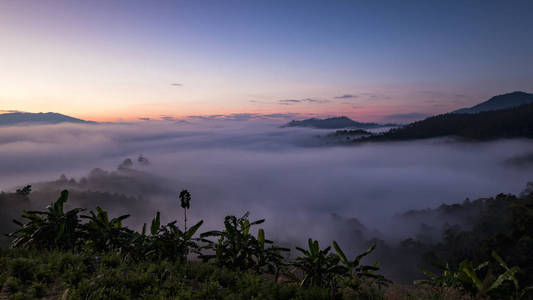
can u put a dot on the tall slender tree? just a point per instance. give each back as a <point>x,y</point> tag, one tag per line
<point>185,199</point>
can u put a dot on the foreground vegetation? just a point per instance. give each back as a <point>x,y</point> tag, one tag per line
<point>73,255</point>
<point>32,274</point>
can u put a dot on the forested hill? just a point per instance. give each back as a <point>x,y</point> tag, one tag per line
<point>504,101</point>
<point>505,123</point>
<point>332,123</point>
<point>18,118</point>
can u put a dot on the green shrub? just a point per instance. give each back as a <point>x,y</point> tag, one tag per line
<point>21,268</point>
<point>13,285</point>
<point>38,289</point>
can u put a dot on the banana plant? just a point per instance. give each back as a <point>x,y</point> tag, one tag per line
<point>448,278</point>
<point>141,243</point>
<point>483,286</point>
<point>235,248</point>
<point>103,234</point>
<point>50,229</point>
<point>465,277</point>
<point>269,258</point>
<point>468,277</point>
<point>320,267</point>
<point>170,242</point>
<point>509,275</point>
<point>356,271</point>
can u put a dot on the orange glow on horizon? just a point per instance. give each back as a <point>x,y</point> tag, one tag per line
<point>364,114</point>
<point>158,111</point>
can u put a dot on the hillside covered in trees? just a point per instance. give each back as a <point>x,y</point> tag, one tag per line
<point>483,253</point>
<point>504,101</point>
<point>506,123</point>
<point>25,118</point>
<point>333,123</point>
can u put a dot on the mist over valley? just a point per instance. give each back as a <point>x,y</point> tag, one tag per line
<point>285,175</point>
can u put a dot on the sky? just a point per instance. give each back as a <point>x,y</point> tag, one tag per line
<point>369,60</point>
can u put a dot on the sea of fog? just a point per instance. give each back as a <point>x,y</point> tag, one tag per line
<point>290,176</point>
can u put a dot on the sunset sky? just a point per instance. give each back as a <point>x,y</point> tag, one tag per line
<point>369,60</point>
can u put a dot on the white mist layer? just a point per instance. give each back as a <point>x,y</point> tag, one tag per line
<point>284,175</point>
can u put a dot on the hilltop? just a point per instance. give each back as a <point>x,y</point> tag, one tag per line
<point>21,118</point>
<point>333,123</point>
<point>504,101</point>
<point>505,123</point>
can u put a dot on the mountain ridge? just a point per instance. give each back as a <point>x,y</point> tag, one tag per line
<point>512,122</point>
<point>25,118</point>
<point>333,123</point>
<point>498,102</point>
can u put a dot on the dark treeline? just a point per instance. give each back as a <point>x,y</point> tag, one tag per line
<point>468,231</point>
<point>332,123</point>
<point>505,123</point>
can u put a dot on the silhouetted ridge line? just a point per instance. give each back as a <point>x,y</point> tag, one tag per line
<point>507,123</point>
<point>504,101</point>
<point>20,118</point>
<point>333,123</point>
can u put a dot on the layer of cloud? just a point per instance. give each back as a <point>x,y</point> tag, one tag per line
<point>304,100</point>
<point>242,162</point>
<point>246,117</point>
<point>283,115</point>
<point>346,96</point>
<point>367,96</point>
<point>282,174</point>
<point>168,118</point>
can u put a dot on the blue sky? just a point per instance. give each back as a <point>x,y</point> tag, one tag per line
<point>120,59</point>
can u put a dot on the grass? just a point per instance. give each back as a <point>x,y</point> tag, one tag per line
<point>31,274</point>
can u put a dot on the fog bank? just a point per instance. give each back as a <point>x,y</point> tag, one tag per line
<point>285,175</point>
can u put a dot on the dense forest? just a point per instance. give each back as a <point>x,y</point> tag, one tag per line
<point>332,123</point>
<point>487,125</point>
<point>471,230</point>
<point>504,101</point>
<point>74,254</point>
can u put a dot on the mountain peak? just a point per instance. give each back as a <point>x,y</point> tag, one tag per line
<point>503,101</point>
<point>330,123</point>
<point>20,118</point>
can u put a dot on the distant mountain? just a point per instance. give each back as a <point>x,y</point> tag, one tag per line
<point>504,123</point>
<point>499,102</point>
<point>20,118</point>
<point>333,123</point>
